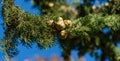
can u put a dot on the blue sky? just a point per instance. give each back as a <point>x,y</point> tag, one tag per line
<point>31,52</point>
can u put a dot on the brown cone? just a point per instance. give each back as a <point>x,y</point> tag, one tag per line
<point>60,24</point>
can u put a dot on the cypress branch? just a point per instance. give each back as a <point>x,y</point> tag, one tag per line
<point>85,32</point>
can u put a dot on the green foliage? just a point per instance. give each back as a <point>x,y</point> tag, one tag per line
<point>86,30</point>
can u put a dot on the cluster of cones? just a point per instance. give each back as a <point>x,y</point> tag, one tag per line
<point>59,27</point>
